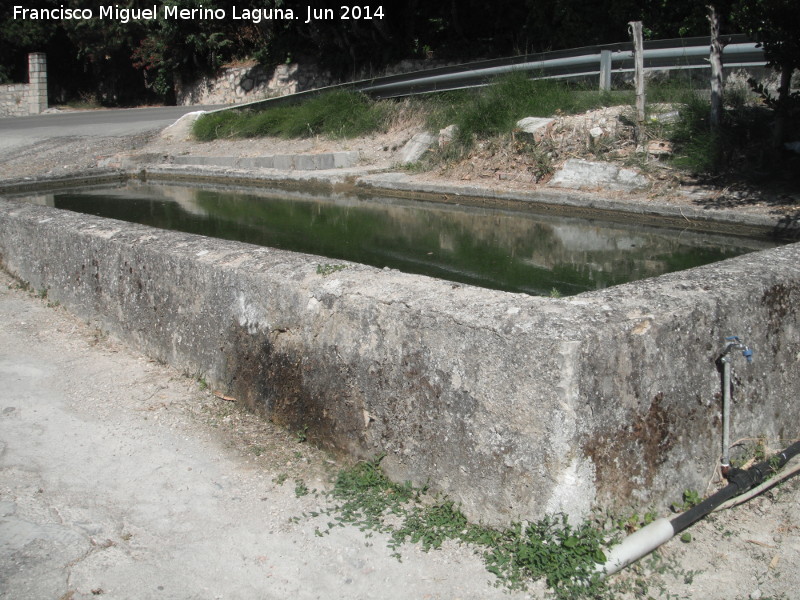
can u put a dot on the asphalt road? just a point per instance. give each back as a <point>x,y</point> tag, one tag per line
<point>23,131</point>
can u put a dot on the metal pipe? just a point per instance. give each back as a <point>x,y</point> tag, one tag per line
<point>733,343</point>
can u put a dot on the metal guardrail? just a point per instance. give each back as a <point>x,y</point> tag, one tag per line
<point>592,61</point>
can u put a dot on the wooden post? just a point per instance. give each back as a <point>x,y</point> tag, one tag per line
<point>716,68</point>
<point>638,77</point>
<point>605,70</point>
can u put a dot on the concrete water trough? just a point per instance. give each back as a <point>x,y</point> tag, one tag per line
<point>514,406</point>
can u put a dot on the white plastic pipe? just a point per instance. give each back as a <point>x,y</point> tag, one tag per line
<point>726,411</point>
<point>638,544</point>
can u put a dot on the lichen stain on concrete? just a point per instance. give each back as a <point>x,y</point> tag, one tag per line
<point>780,301</point>
<point>292,390</point>
<point>628,459</point>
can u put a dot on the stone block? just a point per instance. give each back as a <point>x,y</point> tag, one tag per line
<point>536,127</point>
<point>344,160</point>
<point>583,174</point>
<point>447,135</point>
<point>307,162</point>
<point>284,162</point>
<point>415,148</point>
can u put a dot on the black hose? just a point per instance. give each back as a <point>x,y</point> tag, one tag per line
<point>739,482</point>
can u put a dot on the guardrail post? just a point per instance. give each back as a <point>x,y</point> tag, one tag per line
<point>605,70</point>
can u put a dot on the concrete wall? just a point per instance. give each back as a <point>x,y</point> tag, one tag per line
<point>24,99</point>
<point>512,405</point>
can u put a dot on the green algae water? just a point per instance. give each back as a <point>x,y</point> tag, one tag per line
<point>516,251</point>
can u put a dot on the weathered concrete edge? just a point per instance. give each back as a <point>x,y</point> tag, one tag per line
<point>376,180</point>
<point>51,182</point>
<point>303,162</point>
<point>400,182</point>
<point>514,406</point>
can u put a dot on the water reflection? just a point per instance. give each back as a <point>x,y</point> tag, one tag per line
<point>495,248</point>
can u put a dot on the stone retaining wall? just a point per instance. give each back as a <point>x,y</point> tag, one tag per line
<point>24,99</point>
<point>234,85</point>
<point>514,406</point>
<point>251,81</point>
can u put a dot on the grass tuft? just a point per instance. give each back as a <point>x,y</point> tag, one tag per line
<point>338,114</point>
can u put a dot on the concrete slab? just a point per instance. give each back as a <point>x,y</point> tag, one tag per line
<point>344,160</point>
<point>283,162</point>
<point>583,174</point>
<point>289,162</point>
<point>415,148</point>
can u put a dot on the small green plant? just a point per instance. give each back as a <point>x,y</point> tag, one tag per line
<point>565,555</point>
<point>202,383</point>
<point>300,488</point>
<point>555,293</point>
<point>327,269</point>
<point>42,294</point>
<point>257,450</point>
<point>686,537</point>
<point>690,498</point>
<point>634,522</point>
<point>280,479</point>
<point>301,435</point>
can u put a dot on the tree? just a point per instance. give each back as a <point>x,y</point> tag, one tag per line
<point>775,25</point>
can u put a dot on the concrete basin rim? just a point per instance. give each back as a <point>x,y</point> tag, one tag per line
<point>729,222</point>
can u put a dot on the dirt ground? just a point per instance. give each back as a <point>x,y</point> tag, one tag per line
<point>238,473</point>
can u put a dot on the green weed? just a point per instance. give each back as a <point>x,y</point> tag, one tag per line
<point>566,556</point>
<point>301,435</point>
<point>338,114</point>
<point>691,498</point>
<point>495,109</point>
<point>300,488</point>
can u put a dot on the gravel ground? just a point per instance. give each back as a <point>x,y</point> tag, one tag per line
<point>81,517</point>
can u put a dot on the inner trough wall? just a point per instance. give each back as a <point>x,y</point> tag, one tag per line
<point>513,406</point>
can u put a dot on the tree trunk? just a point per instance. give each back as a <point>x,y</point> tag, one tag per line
<point>716,69</point>
<point>778,132</point>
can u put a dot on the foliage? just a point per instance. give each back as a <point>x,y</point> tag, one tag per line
<point>565,555</point>
<point>496,108</point>
<point>339,114</point>
<point>125,60</point>
<point>775,25</point>
<point>738,149</point>
<point>691,498</point>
